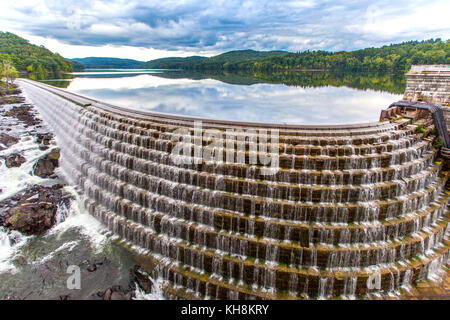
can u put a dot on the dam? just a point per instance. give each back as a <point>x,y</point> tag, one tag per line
<point>328,211</point>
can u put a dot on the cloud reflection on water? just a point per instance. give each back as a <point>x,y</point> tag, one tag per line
<point>258,102</point>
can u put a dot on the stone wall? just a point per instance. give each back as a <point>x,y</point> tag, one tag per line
<point>429,84</point>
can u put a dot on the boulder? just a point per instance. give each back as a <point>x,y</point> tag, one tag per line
<point>43,139</point>
<point>32,218</point>
<point>45,167</point>
<point>23,113</point>
<point>35,211</point>
<point>117,296</point>
<point>7,140</point>
<point>14,160</point>
<point>141,278</point>
<point>107,295</point>
<point>91,268</point>
<point>110,294</point>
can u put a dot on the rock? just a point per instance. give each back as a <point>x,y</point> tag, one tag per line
<point>95,297</point>
<point>117,296</point>
<point>117,288</point>
<point>127,296</point>
<point>142,279</point>
<point>116,293</point>
<point>24,114</point>
<point>8,140</point>
<point>14,160</point>
<point>45,167</point>
<point>107,295</point>
<point>92,268</point>
<point>34,211</point>
<point>32,218</point>
<point>43,139</point>
<point>11,100</point>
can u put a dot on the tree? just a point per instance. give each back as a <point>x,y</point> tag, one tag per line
<point>9,72</point>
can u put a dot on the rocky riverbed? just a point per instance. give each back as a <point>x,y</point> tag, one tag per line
<point>44,228</point>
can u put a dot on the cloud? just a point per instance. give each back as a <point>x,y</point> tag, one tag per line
<point>221,25</point>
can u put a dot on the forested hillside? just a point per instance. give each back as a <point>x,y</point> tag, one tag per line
<point>392,58</point>
<point>26,57</point>
<point>174,63</point>
<point>76,66</point>
<point>108,63</point>
<point>219,62</point>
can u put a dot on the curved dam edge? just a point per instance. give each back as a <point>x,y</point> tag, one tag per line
<point>353,210</point>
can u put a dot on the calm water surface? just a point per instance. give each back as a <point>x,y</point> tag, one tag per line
<point>171,92</point>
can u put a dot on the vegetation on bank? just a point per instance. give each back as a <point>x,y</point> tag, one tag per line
<point>8,93</point>
<point>76,66</point>
<point>8,72</point>
<point>36,61</point>
<point>392,58</point>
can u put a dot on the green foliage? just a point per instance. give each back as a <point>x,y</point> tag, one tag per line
<point>8,71</point>
<point>76,66</point>
<point>227,61</point>
<point>173,63</point>
<point>438,142</point>
<point>420,129</point>
<point>106,63</point>
<point>392,58</point>
<point>29,58</point>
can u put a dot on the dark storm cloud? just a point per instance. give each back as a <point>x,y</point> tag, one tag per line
<point>225,25</point>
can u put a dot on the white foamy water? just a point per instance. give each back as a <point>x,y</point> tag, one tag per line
<point>10,243</point>
<point>78,217</point>
<point>76,237</point>
<point>15,180</point>
<point>156,294</point>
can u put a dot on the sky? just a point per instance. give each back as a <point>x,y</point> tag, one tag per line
<point>146,30</point>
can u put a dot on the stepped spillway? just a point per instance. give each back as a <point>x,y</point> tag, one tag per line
<point>351,209</point>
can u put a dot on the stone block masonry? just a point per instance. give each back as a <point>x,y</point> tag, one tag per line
<point>431,84</point>
<point>354,210</point>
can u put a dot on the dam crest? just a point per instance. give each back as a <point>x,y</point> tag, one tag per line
<point>351,210</point>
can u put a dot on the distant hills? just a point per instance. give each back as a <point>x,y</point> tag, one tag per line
<point>219,62</point>
<point>29,58</point>
<point>173,63</point>
<point>392,58</point>
<point>108,63</point>
<point>189,63</point>
<point>40,62</point>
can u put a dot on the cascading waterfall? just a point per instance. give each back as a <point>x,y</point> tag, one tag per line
<point>344,203</point>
